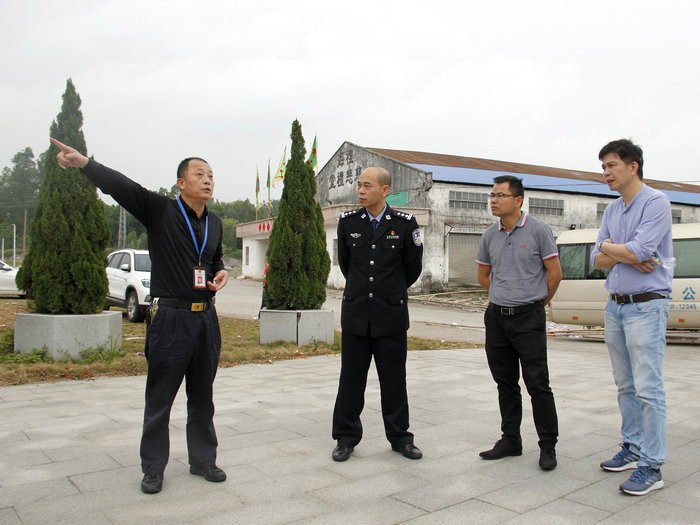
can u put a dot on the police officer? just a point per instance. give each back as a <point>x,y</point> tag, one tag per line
<point>183,340</point>
<point>380,254</point>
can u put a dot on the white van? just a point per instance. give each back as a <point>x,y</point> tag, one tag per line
<point>582,296</point>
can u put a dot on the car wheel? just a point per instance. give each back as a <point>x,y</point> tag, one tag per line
<point>134,312</point>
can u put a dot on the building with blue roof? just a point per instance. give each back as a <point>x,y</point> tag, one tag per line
<point>448,195</point>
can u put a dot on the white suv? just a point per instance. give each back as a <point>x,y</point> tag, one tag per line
<point>129,276</point>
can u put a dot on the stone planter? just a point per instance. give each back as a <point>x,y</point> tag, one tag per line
<point>298,326</point>
<point>65,336</point>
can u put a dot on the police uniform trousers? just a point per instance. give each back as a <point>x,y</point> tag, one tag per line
<point>390,359</point>
<point>180,343</point>
<point>514,339</point>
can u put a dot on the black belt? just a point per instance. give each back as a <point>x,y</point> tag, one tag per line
<point>186,305</point>
<point>515,310</point>
<point>623,298</point>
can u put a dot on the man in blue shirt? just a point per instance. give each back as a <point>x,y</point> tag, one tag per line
<point>633,242</point>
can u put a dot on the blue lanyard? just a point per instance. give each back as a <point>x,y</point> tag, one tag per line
<point>194,238</point>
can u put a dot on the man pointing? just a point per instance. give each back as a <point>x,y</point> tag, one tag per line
<point>183,339</point>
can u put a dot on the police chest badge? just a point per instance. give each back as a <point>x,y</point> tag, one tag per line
<point>417,239</point>
<point>355,235</point>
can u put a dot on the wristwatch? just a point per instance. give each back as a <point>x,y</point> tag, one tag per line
<point>600,246</point>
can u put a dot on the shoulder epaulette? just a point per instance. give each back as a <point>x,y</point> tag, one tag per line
<point>403,215</point>
<point>350,213</point>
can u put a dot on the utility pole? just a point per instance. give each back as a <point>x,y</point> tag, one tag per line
<point>24,235</point>
<point>121,235</point>
<point>14,245</point>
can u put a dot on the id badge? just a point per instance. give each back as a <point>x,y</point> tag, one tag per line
<point>200,278</point>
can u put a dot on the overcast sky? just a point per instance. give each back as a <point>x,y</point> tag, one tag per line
<point>540,82</point>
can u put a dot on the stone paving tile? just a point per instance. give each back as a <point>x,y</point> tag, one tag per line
<point>20,495</point>
<point>60,469</point>
<point>561,512</point>
<point>473,512</point>
<point>70,450</point>
<point>604,494</point>
<point>651,511</point>
<point>282,511</point>
<point>77,506</point>
<point>117,479</point>
<point>8,516</point>
<point>683,462</point>
<point>11,436</point>
<point>523,496</point>
<point>450,490</point>
<point>685,492</point>
<point>30,458</point>
<point>370,512</point>
<point>384,484</point>
<point>272,488</point>
<point>189,506</point>
<point>92,519</point>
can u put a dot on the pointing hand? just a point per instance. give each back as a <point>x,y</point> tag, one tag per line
<point>69,157</point>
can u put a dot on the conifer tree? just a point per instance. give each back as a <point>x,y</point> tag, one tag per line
<point>297,255</point>
<point>19,188</point>
<point>64,271</point>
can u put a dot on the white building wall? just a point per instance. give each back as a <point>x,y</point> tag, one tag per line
<point>254,252</point>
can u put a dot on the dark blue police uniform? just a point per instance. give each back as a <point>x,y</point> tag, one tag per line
<point>378,267</point>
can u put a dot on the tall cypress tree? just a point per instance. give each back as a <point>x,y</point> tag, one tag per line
<point>64,271</point>
<point>297,255</point>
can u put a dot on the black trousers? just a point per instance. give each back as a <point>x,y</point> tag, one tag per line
<point>514,341</point>
<point>390,359</point>
<point>180,344</point>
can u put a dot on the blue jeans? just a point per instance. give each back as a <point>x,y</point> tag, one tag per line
<point>636,337</point>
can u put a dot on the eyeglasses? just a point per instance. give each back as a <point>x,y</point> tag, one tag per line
<point>499,195</point>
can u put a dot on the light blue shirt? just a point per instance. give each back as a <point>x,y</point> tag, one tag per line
<point>378,217</point>
<point>645,228</point>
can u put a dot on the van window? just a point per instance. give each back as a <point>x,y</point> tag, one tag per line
<point>687,254</point>
<point>575,262</point>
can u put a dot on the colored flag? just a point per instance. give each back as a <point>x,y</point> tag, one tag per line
<point>268,180</point>
<point>257,188</point>
<point>279,176</point>
<point>313,158</point>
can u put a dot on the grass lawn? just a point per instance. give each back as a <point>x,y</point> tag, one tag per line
<point>239,345</point>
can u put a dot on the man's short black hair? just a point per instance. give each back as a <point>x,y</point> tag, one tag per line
<point>182,167</point>
<point>628,151</point>
<point>515,184</point>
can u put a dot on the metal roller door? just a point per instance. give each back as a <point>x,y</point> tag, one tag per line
<point>463,248</point>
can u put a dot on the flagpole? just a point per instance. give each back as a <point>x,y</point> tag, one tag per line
<point>257,192</point>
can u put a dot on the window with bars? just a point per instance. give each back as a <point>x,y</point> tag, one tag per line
<point>675,216</point>
<point>546,206</point>
<point>468,200</point>
<point>600,210</point>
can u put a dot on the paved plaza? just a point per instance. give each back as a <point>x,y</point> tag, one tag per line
<point>70,449</point>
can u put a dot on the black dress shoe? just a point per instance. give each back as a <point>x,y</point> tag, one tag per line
<point>152,483</point>
<point>501,449</point>
<point>548,458</point>
<point>408,450</point>
<point>342,452</point>
<point>211,473</point>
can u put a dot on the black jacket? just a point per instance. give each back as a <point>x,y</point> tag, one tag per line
<point>173,255</point>
<point>378,270</point>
